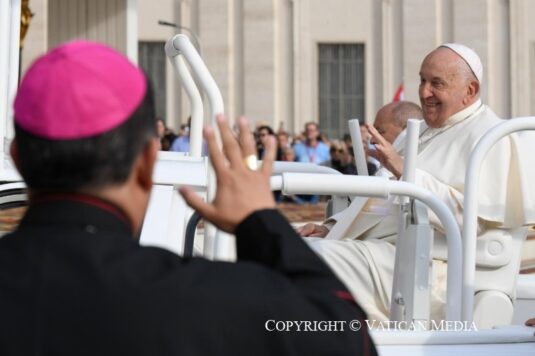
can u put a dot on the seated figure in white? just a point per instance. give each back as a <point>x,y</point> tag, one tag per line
<point>363,251</point>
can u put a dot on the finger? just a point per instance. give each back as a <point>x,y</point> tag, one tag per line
<point>316,234</point>
<point>376,136</point>
<point>305,230</point>
<point>530,322</point>
<point>373,153</point>
<point>231,148</point>
<point>247,141</point>
<point>214,152</point>
<point>269,156</point>
<point>206,210</point>
<point>299,230</point>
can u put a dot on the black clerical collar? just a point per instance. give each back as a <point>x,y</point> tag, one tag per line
<point>85,199</point>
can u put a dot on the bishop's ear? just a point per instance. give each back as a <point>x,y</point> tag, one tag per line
<point>146,162</point>
<point>14,152</point>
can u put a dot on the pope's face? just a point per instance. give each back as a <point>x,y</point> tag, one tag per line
<point>444,90</point>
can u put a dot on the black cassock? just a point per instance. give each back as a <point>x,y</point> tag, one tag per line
<point>73,281</point>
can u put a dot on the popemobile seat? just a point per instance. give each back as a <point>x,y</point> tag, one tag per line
<point>498,258</point>
<point>498,252</point>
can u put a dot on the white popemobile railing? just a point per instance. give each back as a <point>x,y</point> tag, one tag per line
<point>513,339</point>
<point>358,149</point>
<point>197,112</point>
<point>303,183</point>
<point>217,244</point>
<point>470,203</point>
<point>167,214</point>
<point>410,298</point>
<point>330,182</point>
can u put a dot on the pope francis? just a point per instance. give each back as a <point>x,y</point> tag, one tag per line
<point>363,251</point>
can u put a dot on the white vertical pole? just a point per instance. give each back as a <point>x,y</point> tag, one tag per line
<point>411,152</point>
<point>217,244</point>
<point>132,30</point>
<point>13,73</point>
<point>9,68</point>
<point>5,49</point>
<point>358,150</point>
<point>197,112</point>
<point>402,301</point>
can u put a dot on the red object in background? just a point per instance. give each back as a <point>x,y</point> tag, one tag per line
<point>400,94</point>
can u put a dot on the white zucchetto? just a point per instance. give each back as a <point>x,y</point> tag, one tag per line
<point>469,56</point>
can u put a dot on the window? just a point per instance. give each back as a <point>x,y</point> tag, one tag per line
<point>152,59</point>
<point>341,87</point>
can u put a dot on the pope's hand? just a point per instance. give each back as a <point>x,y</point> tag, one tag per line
<point>240,190</point>
<point>312,230</point>
<point>385,153</point>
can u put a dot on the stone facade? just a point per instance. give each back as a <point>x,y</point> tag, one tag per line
<point>264,53</point>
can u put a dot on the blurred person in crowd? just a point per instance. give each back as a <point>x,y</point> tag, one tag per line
<point>264,134</point>
<point>182,142</point>
<point>312,150</point>
<point>283,139</point>
<point>166,135</point>
<point>340,158</point>
<point>288,154</point>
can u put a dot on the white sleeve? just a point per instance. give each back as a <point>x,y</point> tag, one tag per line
<point>453,199</point>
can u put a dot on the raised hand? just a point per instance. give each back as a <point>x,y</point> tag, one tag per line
<point>240,189</point>
<point>385,153</point>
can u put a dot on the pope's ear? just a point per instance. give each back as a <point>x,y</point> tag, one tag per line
<point>472,91</point>
<point>473,88</point>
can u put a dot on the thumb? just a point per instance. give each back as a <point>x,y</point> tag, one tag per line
<point>206,210</point>
<point>305,230</point>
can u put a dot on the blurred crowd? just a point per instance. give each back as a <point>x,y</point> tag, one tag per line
<point>309,146</point>
<point>312,146</point>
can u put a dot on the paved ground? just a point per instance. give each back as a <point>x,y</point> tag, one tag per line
<point>303,213</point>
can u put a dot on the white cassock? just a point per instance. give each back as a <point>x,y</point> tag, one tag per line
<point>364,252</point>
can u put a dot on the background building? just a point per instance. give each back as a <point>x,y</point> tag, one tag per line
<point>287,62</point>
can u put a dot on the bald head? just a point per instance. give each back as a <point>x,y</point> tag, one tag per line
<point>392,118</point>
<point>447,86</point>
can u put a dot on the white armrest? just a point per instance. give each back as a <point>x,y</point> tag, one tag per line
<point>494,248</point>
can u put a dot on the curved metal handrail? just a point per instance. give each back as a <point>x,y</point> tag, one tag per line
<point>181,44</point>
<point>302,183</point>
<point>280,167</point>
<point>197,112</point>
<point>470,203</point>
